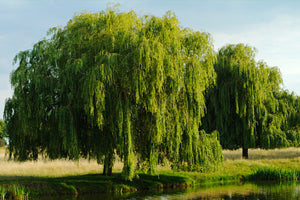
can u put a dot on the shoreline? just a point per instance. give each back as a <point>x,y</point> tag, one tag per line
<point>44,178</point>
<point>232,172</point>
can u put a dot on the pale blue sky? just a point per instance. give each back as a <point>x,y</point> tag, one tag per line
<point>272,26</point>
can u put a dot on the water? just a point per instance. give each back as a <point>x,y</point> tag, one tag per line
<point>256,191</point>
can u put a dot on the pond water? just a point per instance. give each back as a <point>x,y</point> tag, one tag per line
<point>257,191</point>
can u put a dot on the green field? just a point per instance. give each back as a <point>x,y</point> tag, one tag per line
<point>61,177</point>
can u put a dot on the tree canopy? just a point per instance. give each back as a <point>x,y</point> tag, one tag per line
<point>241,101</point>
<point>281,126</point>
<point>144,89</point>
<point>112,83</point>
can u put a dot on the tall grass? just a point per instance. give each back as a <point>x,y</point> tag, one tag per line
<point>261,154</point>
<point>55,168</point>
<point>262,165</point>
<point>234,164</point>
<point>275,164</point>
<point>13,192</point>
<point>275,174</point>
<point>3,192</point>
<point>67,177</point>
<point>50,168</point>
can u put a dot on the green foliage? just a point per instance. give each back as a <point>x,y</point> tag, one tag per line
<point>247,105</point>
<point>13,192</point>
<point>239,105</point>
<point>274,173</point>
<point>113,83</point>
<point>207,154</point>
<point>281,127</point>
<point>293,137</point>
<point>3,131</point>
<point>211,156</point>
<point>2,193</point>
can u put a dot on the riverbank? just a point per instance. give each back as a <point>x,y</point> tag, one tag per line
<point>81,178</point>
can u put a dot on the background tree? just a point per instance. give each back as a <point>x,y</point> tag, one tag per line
<point>236,106</point>
<point>2,132</point>
<point>2,129</point>
<point>114,83</point>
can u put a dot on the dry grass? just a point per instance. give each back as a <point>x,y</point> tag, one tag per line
<point>260,154</point>
<point>55,168</point>
<point>59,168</point>
<point>48,168</point>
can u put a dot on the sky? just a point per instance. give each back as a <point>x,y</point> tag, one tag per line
<point>271,26</point>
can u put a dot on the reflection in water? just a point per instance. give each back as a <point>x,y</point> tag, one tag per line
<point>261,191</point>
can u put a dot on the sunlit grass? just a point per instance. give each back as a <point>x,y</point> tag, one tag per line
<point>68,177</point>
<point>259,154</point>
<point>263,164</point>
<point>48,168</point>
<point>282,163</point>
<point>234,166</point>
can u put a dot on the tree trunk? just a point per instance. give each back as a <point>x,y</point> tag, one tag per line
<point>108,164</point>
<point>245,153</point>
<point>107,170</point>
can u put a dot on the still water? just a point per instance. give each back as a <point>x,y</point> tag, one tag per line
<point>255,191</point>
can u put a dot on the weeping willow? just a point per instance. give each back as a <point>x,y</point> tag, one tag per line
<point>247,106</point>
<point>112,83</point>
<point>241,104</point>
<point>281,127</point>
<point>2,129</point>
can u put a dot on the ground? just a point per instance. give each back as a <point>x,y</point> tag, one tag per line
<point>45,177</point>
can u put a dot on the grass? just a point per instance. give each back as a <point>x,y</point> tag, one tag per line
<point>261,154</point>
<point>61,177</point>
<point>50,168</point>
<point>13,192</point>
<point>274,173</point>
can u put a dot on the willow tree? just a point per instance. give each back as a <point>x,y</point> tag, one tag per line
<point>237,105</point>
<point>2,129</point>
<point>113,83</point>
<point>2,132</point>
<point>283,121</point>
<point>292,126</point>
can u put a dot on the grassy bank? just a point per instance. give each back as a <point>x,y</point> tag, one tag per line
<point>64,177</point>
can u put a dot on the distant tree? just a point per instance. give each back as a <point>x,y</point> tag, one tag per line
<point>114,83</point>
<point>3,132</point>
<point>236,106</point>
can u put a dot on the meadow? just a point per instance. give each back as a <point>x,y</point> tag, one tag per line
<point>46,177</point>
<point>64,167</point>
<point>260,154</point>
